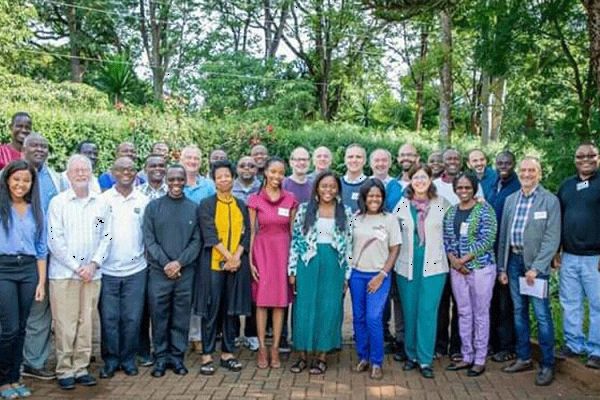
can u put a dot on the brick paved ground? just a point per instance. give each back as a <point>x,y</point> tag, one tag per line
<point>338,383</point>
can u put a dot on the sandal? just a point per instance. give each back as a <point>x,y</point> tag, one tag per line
<point>262,361</point>
<point>318,367</point>
<point>298,366</point>
<point>208,368</point>
<point>503,356</point>
<point>232,364</point>
<point>275,362</point>
<point>22,390</point>
<point>9,393</point>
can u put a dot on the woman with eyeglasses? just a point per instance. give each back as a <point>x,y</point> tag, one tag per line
<point>422,266</point>
<point>469,237</point>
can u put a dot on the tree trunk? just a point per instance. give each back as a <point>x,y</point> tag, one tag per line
<point>76,67</point>
<point>486,109</point>
<point>498,97</point>
<point>420,84</point>
<point>593,24</point>
<point>446,78</point>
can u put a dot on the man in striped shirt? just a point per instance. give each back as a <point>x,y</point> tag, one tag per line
<point>20,127</point>
<point>79,226</point>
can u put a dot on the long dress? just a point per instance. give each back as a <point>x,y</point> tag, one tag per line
<point>271,248</point>
<point>318,308</point>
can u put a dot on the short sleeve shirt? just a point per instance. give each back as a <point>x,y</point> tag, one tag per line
<point>373,235</point>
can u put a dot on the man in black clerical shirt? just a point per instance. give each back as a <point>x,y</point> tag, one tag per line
<point>172,239</point>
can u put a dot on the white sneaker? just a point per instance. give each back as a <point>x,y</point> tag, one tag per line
<point>251,343</point>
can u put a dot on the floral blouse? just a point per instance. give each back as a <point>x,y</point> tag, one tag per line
<point>304,247</point>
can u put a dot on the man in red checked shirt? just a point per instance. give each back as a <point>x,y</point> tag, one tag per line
<point>20,127</point>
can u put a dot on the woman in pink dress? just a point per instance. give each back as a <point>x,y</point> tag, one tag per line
<point>272,212</point>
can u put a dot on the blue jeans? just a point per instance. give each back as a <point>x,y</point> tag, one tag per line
<point>541,310</point>
<point>121,307</point>
<point>579,278</point>
<point>367,312</point>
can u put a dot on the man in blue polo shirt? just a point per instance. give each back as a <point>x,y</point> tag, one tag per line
<point>579,198</point>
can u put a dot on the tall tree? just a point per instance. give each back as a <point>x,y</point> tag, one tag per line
<point>446,81</point>
<point>593,25</point>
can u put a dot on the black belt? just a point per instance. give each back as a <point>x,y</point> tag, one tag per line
<point>17,258</point>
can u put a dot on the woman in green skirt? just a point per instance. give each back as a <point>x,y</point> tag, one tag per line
<point>318,268</point>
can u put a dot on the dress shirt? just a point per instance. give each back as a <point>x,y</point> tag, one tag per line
<point>22,237</point>
<point>126,254</point>
<point>49,185</point>
<point>204,188</point>
<point>152,193</point>
<point>524,203</point>
<point>242,192</point>
<point>78,233</point>
<point>107,180</point>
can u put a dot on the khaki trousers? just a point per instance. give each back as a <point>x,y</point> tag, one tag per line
<point>73,304</point>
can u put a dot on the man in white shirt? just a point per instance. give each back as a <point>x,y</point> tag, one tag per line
<point>124,273</point>
<point>79,226</point>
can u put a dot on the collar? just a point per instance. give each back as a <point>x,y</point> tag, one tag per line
<point>530,195</point>
<point>239,183</point>
<point>385,180</point>
<point>70,193</point>
<point>591,178</point>
<point>114,193</point>
<point>360,179</point>
<point>444,178</point>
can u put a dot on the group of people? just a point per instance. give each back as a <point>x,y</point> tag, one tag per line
<point>169,257</point>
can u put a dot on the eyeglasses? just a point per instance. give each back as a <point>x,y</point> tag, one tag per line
<point>301,159</point>
<point>586,156</point>
<point>420,178</point>
<point>407,155</point>
<point>246,165</point>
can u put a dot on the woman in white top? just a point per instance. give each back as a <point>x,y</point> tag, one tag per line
<point>376,242</point>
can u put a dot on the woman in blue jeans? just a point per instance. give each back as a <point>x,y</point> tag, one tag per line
<point>376,241</point>
<point>22,268</point>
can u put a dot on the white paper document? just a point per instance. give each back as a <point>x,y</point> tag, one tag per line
<point>539,288</point>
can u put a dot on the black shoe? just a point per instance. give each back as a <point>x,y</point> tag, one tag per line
<point>86,380</point>
<point>427,372</point>
<point>400,355</point>
<point>565,352</point>
<point>409,365</point>
<point>66,383</point>
<point>284,346</point>
<point>232,364</point>
<point>476,370</point>
<point>41,374</point>
<point>518,366</point>
<point>159,369</point>
<point>457,366</point>
<point>593,362</point>
<point>545,376</point>
<point>130,370</point>
<point>179,368</point>
<point>107,372</point>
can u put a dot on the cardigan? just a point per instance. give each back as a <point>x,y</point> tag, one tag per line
<point>304,247</point>
<point>435,261</point>
<point>238,284</point>
<point>480,238</point>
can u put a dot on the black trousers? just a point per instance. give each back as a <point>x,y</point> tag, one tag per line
<point>170,307</point>
<point>18,280</point>
<point>447,329</point>
<point>217,320</point>
<point>502,322</point>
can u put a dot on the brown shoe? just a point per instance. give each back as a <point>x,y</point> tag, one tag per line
<point>362,366</point>
<point>275,362</point>
<point>376,373</point>
<point>262,360</point>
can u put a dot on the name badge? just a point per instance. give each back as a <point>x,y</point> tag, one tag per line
<point>355,196</point>
<point>540,215</point>
<point>583,185</point>
<point>283,212</point>
<point>464,229</point>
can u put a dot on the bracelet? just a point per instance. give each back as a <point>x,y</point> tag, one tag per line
<point>383,272</point>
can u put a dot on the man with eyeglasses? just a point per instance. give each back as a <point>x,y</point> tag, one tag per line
<point>579,261</point>
<point>407,157</point>
<point>246,182</point>
<point>298,182</point>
